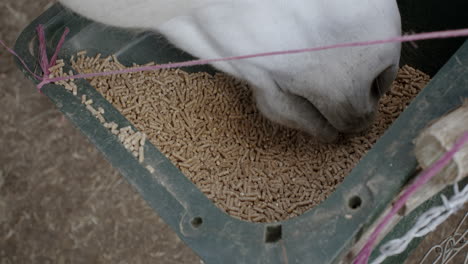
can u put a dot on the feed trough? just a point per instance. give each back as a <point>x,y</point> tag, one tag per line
<point>323,234</point>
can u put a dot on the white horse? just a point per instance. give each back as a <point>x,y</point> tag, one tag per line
<point>322,93</point>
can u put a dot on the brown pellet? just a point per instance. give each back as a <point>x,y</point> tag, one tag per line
<point>209,128</point>
<point>91,109</point>
<point>81,53</point>
<point>150,169</point>
<point>141,154</point>
<point>57,66</point>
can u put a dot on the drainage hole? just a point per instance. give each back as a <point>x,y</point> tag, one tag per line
<point>355,202</point>
<point>273,234</point>
<point>196,222</point>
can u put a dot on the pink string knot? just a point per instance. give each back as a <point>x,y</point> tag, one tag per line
<point>43,58</point>
<point>44,61</point>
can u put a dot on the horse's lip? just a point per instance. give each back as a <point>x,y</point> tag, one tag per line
<point>348,126</point>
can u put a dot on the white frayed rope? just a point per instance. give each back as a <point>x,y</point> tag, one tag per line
<point>427,222</point>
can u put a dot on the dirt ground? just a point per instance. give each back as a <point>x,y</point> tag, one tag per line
<point>60,201</point>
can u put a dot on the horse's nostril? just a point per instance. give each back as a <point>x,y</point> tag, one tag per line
<point>381,83</point>
<point>377,88</point>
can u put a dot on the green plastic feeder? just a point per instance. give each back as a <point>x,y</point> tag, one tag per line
<point>321,235</point>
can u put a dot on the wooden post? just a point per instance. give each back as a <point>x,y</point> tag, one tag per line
<point>432,143</point>
<point>438,138</point>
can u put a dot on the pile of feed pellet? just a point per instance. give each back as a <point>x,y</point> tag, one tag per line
<point>248,166</point>
<point>133,141</point>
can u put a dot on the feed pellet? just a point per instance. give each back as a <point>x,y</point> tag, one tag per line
<point>210,129</point>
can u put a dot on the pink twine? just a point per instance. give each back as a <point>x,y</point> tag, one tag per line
<point>59,47</point>
<point>408,38</point>
<point>20,59</point>
<point>43,59</point>
<point>45,65</point>
<point>423,178</point>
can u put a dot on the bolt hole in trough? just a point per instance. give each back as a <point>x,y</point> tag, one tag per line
<point>355,202</point>
<point>273,233</point>
<point>196,222</point>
